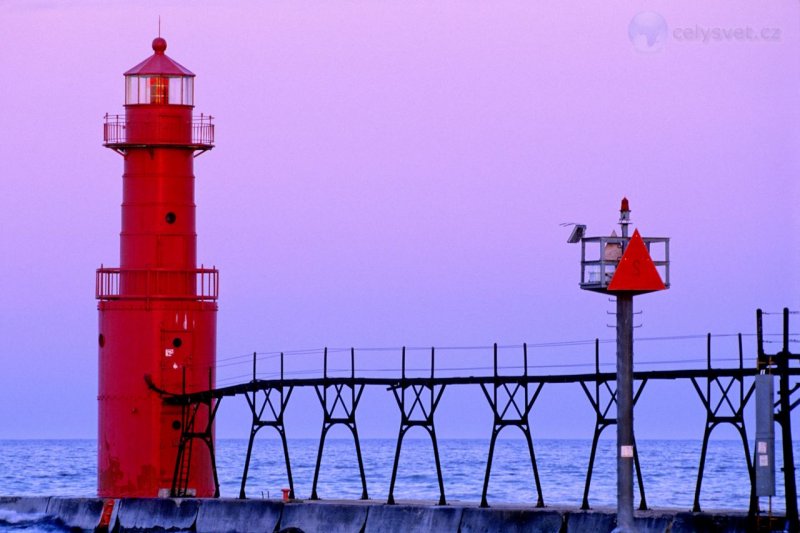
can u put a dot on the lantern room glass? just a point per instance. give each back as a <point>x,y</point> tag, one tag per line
<point>155,89</point>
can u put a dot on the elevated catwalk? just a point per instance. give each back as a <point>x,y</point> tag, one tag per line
<point>723,392</point>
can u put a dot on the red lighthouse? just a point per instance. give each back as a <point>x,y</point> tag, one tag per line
<point>158,309</point>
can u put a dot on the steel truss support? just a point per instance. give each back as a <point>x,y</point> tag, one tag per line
<point>602,408</point>
<point>423,397</point>
<point>724,396</point>
<point>339,408</point>
<point>183,460</point>
<point>727,409</point>
<point>267,410</point>
<point>512,409</point>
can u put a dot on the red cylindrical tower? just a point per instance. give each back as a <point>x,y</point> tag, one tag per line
<point>158,309</point>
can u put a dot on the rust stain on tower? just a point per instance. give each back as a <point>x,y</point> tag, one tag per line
<point>158,310</point>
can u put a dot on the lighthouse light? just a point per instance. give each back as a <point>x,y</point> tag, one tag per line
<point>159,90</point>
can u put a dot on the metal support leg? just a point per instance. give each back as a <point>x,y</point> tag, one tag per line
<point>213,457</point>
<point>751,472</point>
<point>354,431</point>
<point>288,463</point>
<point>789,479</point>
<point>400,436</point>
<point>539,495</point>
<point>442,500</point>
<point>247,457</point>
<point>325,428</point>
<point>484,501</point>
<point>704,450</point>
<point>598,429</point>
<point>639,480</point>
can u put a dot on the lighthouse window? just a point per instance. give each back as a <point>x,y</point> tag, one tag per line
<point>170,218</point>
<point>176,425</point>
<point>101,340</point>
<point>131,90</point>
<point>176,342</point>
<point>187,91</point>
<point>180,90</point>
<point>174,90</point>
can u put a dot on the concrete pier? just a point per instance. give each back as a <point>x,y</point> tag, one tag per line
<point>233,516</point>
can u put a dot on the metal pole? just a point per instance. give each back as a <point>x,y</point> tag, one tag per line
<point>625,413</point>
<point>790,483</point>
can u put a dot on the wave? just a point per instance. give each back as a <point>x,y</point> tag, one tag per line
<point>29,522</point>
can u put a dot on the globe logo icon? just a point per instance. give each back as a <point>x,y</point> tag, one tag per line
<point>648,32</point>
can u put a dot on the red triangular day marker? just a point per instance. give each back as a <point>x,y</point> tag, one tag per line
<point>636,271</point>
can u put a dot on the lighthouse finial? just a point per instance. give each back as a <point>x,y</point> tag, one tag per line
<point>159,45</point>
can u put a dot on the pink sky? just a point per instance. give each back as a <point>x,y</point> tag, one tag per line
<point>394,173</point>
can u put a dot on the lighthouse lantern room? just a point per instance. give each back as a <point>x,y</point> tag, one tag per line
<point>157,310</point>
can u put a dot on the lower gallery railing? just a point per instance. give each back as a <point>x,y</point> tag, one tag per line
<point>157,284</point>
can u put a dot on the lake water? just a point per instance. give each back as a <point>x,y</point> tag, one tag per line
<point>68,468</point>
